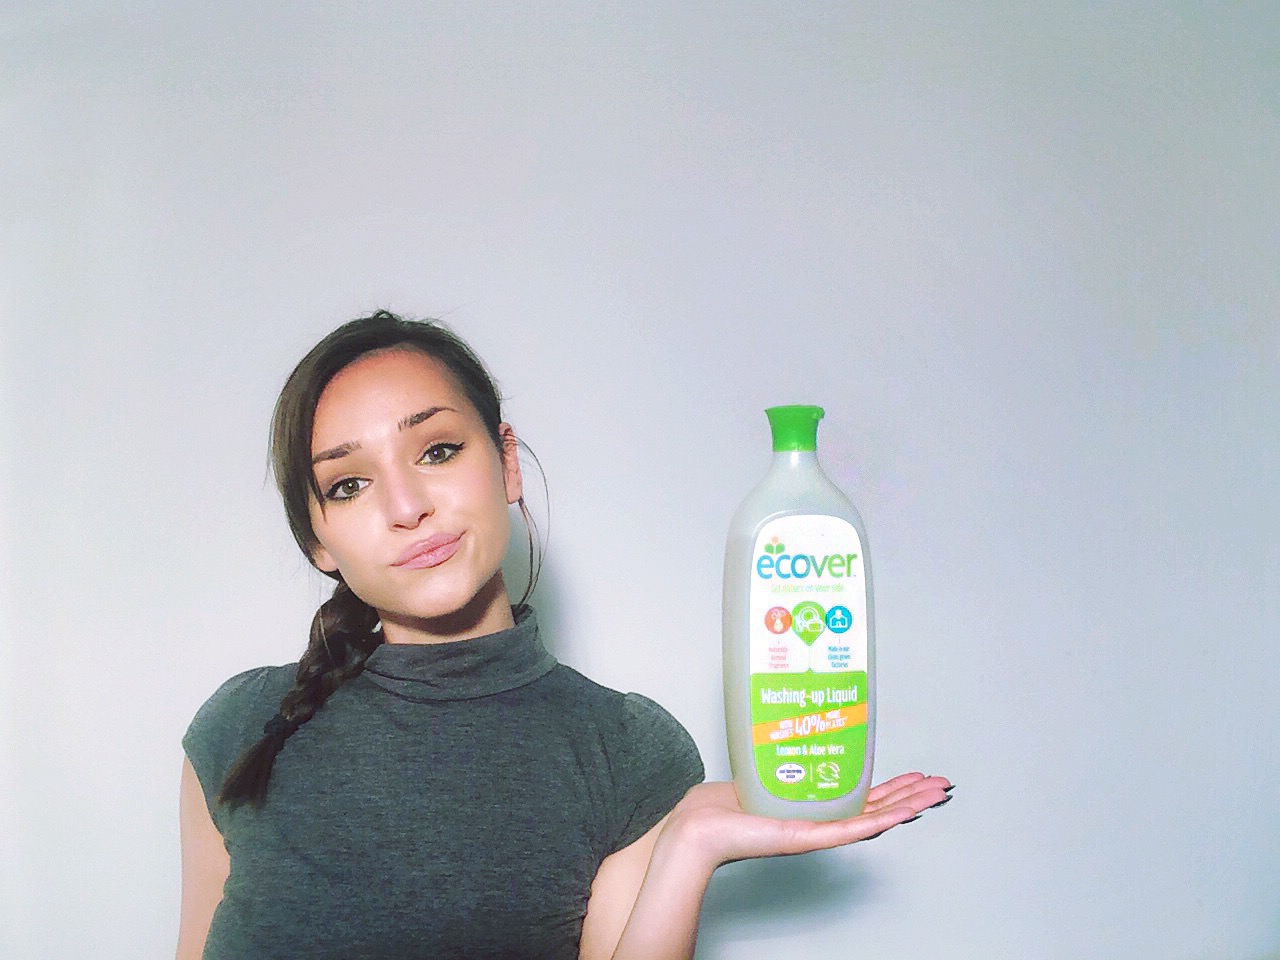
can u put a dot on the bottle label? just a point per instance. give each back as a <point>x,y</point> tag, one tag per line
<point>808,640</point>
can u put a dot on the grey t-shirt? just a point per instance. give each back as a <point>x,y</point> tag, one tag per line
<point>454,800</point>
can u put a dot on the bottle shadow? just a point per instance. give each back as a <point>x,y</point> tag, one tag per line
<point>780,895</point>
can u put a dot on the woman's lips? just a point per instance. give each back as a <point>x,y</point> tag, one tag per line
<point>430,552</point>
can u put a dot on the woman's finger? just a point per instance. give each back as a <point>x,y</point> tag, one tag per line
<point>912,791</point>
<point>883,789</point>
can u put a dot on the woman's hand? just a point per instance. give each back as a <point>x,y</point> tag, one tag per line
<point>710,820</point>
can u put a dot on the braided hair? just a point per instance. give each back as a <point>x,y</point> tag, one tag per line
<point>345,630</point>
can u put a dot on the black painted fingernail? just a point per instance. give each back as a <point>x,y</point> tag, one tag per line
<point>949,789</point>
<point>912,819</point>
<point>946,799</point>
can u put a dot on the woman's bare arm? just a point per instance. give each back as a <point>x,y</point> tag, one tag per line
<point>647,898</point>
<point>205,865</point>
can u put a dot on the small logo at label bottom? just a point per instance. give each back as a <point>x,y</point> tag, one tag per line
<point>789,773</point>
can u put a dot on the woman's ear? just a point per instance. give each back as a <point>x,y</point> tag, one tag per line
<point>511,477</point>
<point>323,560</point>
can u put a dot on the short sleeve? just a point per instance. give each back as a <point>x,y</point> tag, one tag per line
<point>231,721</point>
<point>653,767</point>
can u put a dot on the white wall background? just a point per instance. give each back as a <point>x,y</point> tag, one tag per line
<point>1025,254</point>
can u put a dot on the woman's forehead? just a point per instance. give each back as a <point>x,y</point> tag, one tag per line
<point>373,394</point>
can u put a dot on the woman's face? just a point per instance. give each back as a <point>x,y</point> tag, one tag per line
<point>414,512</point>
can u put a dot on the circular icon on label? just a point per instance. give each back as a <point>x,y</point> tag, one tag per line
<point>829,772</point>
<point>810,620</point>
<point>789,773</point>
<point>839,619</point>
<point>777,619</point>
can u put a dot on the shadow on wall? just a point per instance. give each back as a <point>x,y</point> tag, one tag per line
<point>548,601</point>
<point>547,597</point>
<point>771,898</point>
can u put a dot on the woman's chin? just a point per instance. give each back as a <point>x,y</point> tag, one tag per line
<point>459,617</point>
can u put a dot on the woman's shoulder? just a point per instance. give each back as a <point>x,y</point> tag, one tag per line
<point>578,693</point>
<point>232,718</point>
<point>648,758</point>
<point>246,691</point>
<point>629,724</point>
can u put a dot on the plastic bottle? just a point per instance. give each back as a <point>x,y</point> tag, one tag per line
<point>799,638</point>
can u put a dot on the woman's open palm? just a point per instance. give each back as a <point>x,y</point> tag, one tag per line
<point>712,817</point>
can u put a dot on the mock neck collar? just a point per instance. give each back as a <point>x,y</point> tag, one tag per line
<point>462,669</point>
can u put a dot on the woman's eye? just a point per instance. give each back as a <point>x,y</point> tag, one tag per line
<point>440,452</point>
<point>346,489</point>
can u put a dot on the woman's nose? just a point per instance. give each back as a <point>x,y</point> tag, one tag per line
<point>407,500</point>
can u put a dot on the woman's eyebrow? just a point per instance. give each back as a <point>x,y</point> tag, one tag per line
<point>334,453</point>
<point>342,449</point>
<point>416,418</point>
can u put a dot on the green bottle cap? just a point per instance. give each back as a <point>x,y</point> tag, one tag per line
<point>794,427</point>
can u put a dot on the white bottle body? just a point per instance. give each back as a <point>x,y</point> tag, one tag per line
<point>797,496</point>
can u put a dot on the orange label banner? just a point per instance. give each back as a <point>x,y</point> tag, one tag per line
<point>808,725</point>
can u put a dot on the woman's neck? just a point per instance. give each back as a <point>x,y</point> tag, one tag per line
<point>489,611</point>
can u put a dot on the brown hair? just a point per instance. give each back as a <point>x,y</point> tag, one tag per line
<point>344,631</point>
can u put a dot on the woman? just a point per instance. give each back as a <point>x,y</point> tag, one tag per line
<point>427,780</point>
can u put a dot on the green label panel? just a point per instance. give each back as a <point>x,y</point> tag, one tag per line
<point>809,732</point>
